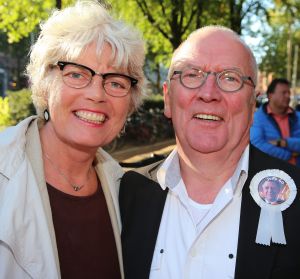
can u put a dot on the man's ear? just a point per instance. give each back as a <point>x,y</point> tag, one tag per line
<point>167,109</point>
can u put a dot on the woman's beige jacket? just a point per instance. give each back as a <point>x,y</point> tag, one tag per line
<point>27,239</point>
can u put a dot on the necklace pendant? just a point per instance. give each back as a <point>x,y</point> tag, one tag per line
<point>76,187</point>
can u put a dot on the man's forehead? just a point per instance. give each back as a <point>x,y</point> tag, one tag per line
<point>219,49</point>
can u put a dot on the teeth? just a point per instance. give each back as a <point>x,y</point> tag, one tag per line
<point>207,117</point>
<point>91,117</point>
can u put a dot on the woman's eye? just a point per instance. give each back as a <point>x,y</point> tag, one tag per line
<point>75,75</point>
<point>116,85</point>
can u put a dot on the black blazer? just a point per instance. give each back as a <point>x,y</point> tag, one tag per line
<point>142,202</point>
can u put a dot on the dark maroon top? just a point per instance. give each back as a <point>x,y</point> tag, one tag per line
<point>84,236</point>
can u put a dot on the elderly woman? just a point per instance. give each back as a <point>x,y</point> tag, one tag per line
<point>59,215</point>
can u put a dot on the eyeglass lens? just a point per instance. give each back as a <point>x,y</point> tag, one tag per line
<point>227,80</point>
<point>79,77</point>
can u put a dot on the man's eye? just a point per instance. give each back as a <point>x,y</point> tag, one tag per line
<point>230,78</point>
<point>190,75</point>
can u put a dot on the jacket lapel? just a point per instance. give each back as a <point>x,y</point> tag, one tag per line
<point>253,260</point>
<point>110,173</point>
<point>141,222</point>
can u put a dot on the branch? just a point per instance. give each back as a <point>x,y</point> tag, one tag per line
<point>192,14</point>
<point>253,4</point>
<point>145,10</point>
<point>181,16</point>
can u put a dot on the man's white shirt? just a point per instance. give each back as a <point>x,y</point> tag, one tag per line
<point>198,240</point>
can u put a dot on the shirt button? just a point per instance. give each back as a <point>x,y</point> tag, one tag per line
<point>193,253</point>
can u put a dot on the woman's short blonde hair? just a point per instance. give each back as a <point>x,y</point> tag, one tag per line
<point>67,33</point>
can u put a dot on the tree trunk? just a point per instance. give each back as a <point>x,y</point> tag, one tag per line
<point>58,4</point>
<point>158,88</point>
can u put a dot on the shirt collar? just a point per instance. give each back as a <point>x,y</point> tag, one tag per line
<point>269,110</point>
<point>169,174</point>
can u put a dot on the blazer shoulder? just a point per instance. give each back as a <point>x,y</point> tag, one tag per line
<point>146,172</point>
<point>141,182</point>
<point>259,161</point>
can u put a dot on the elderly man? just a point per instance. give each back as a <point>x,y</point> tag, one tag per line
<point>276,126</point>
<point>198,214</point>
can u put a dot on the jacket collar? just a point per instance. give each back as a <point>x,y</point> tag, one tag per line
<point>291,112</point>
<point>34,247</point>
<point>253,260</point>
<point>110,173</point>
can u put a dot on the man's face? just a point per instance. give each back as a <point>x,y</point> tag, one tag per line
<point>280,98</point>
<point>270,191</point>
<point>207,119</point>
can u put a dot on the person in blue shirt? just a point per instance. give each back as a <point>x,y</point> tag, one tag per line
<point>276,126</point>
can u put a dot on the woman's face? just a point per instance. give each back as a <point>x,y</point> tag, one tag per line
<point>88,117</point>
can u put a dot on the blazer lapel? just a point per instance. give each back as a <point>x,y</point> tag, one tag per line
<point>144,204</point>
<point>110,174</point>
<point>253,260</point>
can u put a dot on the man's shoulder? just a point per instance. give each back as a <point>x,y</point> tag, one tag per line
<point>141,184</point>
<point>262,110</point>
<point>146,172</point>
<point>297,114</point>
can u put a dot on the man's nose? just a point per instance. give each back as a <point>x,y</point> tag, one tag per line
<point>209,91</point>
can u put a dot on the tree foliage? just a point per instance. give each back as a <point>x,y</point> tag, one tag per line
<point>239,10</point>
<point>279,41</point>
<point>165,24</point>
<point>20,105</point>
<point>18,18</point>
<point>5,118</point>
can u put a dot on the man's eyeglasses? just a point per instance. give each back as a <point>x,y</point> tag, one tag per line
<point>227,80</point>
<point>79,76</point>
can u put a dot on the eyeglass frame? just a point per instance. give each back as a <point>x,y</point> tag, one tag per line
<point>62,64</point>
<point>217,75</point>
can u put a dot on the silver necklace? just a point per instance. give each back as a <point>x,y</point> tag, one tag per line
<point>76,187</point>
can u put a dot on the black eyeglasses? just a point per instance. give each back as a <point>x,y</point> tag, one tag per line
<point>79,76</point>
<point>227,80</point>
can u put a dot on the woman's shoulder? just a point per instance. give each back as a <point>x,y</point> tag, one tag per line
<point>12,146</point>
<point>15,134</point>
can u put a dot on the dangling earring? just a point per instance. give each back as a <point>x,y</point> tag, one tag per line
<point>46,115</point>
<point>122,132</point>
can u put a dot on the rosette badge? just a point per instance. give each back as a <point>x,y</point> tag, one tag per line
<point>274,191</point>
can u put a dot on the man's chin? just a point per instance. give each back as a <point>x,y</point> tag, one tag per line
<point>207,148</point>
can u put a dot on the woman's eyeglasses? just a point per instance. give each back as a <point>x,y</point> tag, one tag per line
<point>79,76</point>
